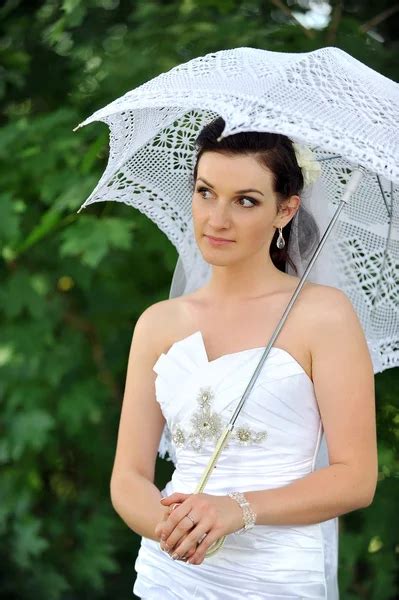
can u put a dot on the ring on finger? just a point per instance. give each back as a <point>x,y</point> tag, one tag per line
<point>191,519</point>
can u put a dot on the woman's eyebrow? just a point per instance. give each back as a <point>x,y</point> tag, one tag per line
<point>238,192</point>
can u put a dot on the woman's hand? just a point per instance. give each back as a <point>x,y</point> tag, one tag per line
<point>214,516</point>
<point>158,532</point>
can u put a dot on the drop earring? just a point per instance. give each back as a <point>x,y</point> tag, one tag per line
<point>280,240</point>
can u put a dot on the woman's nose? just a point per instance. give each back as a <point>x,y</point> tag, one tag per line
<point>219,215</point>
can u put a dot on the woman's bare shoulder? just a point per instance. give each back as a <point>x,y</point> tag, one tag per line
<point>317,301</point>
<point>323,301</point>
<point>327,310</point>
<point>161,321</point>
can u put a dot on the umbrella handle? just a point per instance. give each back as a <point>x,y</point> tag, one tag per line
<point>205,476</point>
<point>215,546</point>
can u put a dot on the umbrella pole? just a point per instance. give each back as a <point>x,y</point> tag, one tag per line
<point>221,442</point>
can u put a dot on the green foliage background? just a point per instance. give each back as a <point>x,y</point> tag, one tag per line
<point>72,286</point>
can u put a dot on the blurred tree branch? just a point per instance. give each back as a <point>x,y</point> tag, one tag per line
<point>287,11</point>
<point>334,23</point>
<point>379,18</point>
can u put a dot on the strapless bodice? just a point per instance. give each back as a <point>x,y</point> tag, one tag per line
<point>276,439</point>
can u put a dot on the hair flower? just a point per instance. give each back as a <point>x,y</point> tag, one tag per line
<point>307,161</point>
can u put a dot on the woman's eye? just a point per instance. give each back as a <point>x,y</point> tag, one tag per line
<point>253,202</point>
<point>201,190</point>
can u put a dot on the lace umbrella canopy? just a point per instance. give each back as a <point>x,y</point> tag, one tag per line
<point>347,113</point>
<point>344,111</point>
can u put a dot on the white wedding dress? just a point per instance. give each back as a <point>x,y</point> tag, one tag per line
<point>276,440</point>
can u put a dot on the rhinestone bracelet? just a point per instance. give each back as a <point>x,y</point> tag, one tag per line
<point>249,515</point>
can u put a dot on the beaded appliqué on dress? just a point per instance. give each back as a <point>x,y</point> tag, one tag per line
<point>208,425</point>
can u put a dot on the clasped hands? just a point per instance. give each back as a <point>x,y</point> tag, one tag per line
<point>210,517</point>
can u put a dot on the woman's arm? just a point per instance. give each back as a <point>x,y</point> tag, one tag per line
<point>343,379</point>
<point>133,494</point>
<point>137,502</point>
<point>344,387</point>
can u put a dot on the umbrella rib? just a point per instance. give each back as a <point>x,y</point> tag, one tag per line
<point>390,214</point>
<point>384,197</point>
<point>329,158</point>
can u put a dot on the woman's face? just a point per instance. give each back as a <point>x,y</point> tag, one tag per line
<point>233,199</point>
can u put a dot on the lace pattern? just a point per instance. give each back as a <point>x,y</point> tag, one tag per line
<point>345,112</point>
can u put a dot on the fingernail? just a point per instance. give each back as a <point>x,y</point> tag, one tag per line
<point>163,537</point>
<point>175,555</point>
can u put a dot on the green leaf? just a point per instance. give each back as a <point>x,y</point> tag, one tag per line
<point>19,294</point>
<point>9,218</point>
<point>27,543</point>
<point>28,431</point>
<point>91,238</point>
<point>48,222</point>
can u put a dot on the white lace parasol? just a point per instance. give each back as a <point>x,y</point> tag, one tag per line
<point>344,111</point>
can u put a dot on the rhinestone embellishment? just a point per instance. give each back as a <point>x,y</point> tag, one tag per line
<point>208,425</point>
<point>246,436</point>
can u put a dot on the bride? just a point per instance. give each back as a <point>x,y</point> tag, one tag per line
<point>318,378</point>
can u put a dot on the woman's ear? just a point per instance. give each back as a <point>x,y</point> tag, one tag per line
<point>295,203</point>
<point>287,210</point>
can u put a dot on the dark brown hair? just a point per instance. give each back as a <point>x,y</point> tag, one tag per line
<point>273,150</point>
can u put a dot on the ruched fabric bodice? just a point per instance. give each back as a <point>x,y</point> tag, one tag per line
<point>277,439</point>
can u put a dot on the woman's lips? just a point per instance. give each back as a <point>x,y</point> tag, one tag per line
<point>217,241</point>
